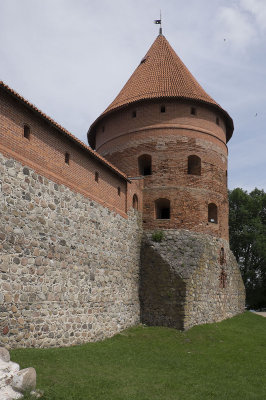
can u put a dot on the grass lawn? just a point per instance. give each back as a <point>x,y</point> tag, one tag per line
<point>219,361</point>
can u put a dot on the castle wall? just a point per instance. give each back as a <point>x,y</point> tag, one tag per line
<point>184,282</point>
<point>69,267</point>
<point>45,152</point>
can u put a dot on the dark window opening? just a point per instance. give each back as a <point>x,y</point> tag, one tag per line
<point>96,177</point>
<point>135,202</point>
<point>26,132</point>
<point>134,114</point>
<point>223,278</point>
<point>103,128</point>
<point>193,111</point>
<point>144,162</point>
<point>217,121</point>
<point>67,158</point>
<point>194,165</point>
<point>162,209</point>
<point>212,213</point>
<point>118,191</point>
<point>162,109</point>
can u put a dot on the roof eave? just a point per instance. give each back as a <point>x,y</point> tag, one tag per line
<point>62,130</point>
<point>229,122</point>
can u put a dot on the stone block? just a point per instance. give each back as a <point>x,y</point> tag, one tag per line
<point>24,380</point>
<point>4,354</point>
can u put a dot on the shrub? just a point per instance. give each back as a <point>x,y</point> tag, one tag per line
<point>157,236</point>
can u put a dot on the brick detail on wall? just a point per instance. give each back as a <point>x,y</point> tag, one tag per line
<point>45,149</point>
<point>170,138</point>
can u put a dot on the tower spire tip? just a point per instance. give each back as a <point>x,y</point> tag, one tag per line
<point>159,21</point>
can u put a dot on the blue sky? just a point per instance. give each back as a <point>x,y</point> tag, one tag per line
<point>71,58</point>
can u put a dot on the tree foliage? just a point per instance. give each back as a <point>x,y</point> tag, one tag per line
<point>247,224</point>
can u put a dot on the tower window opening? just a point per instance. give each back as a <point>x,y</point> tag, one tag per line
<point>103,128</point>
<point>217,121</point>
<point>135,202</point>
<point>194,165</point>
<point>144,162</point>
<point>162,209</point>
<point>193,111</point>
<point>213,213</point>
<point>162,109</point>
<point>118,191</point>
<point>26,133</point>
<point>134,114</point>
<point>96,176</point>
<point>67,158</point>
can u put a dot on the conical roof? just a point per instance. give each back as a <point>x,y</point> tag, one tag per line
<point>162,74</point>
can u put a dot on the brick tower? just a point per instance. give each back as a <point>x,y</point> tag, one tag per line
<point>164,127</point>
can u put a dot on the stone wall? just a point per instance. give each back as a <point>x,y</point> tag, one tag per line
<point>187,279</point>
<point>69,268</point>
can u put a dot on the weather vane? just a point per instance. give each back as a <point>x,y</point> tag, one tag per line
<point>159,22</point>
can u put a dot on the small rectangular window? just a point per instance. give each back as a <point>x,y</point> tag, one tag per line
<point>193,111</point>
<point>118,191</point>
<point>96,177</point>
<point>26,132</point>
<point>67,158</point>
<point>162,109</point>
<point>134,114</point>
<point>103,128</point>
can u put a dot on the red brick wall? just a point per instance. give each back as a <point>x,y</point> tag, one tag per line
<point>45,153</point>
<point>170,138</point>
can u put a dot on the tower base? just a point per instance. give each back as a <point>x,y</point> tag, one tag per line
<point>188,279</point>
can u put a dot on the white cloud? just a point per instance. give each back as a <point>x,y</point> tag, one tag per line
<point>257,8</point>
<point>236,27</point>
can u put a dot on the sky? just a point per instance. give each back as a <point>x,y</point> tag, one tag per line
<point>71,58</point>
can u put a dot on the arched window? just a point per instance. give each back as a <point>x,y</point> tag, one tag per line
<point>162,209</point>
<point>26,133</point>
<point>144,162</point>
<point>194,165</point>
<point>135,202</point>
<point>213,213</point>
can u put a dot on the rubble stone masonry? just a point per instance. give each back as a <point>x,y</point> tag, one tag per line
<point>69,267</point>
<point>188,279</point>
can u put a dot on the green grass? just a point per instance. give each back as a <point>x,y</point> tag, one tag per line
<point>219,361</point>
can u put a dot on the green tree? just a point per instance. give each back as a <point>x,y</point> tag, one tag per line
<point>247,224</point>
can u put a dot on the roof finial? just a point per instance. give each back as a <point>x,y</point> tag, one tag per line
<point>159,21</point>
